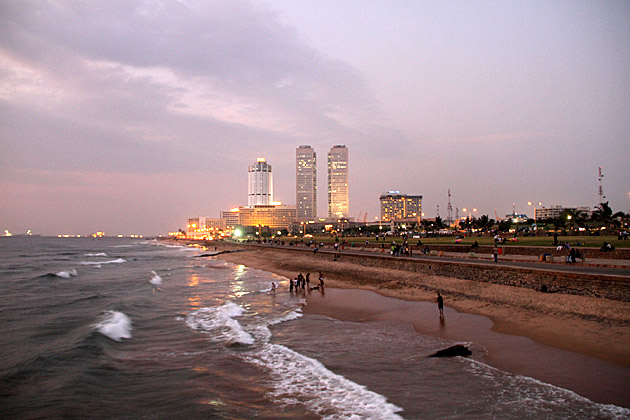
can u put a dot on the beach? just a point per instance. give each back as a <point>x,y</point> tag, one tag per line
<point>124,328</point>
<point>521,330</point>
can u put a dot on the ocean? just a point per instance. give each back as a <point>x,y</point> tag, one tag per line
<point>132,329</point>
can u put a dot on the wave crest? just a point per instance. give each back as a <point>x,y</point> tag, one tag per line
<point>116,261</point>
<point>115,326</point>
<point>220,323</point>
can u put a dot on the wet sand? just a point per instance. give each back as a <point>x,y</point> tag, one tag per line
<point>574,342</point>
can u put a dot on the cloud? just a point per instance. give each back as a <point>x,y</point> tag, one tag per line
<point>224,60</point>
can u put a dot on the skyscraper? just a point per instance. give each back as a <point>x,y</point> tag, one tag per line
<point>338,197</point>
<point>306,183</point>
<point>260,185</point>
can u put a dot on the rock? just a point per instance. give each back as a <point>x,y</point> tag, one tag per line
<point>456,350</point>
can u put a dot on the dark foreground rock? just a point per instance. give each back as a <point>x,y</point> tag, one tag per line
<point>456,350</point>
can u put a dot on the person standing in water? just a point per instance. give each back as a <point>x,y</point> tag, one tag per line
<point>321,280</point>
<point>440,302</point>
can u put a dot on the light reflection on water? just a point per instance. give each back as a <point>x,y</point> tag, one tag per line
<point>193,280</point>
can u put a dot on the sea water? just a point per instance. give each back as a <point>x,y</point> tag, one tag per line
<point>128,329</point>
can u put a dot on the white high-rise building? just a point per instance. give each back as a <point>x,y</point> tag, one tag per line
<point>306,183</point>
<point>338,194</point>
<point>260,185</point>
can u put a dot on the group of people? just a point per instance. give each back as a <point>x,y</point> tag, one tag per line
<point>304,283</point>
<point>400,249</point>
<point>573,255</point>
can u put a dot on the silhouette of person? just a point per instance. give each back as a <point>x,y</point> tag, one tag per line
<point>440,302</point>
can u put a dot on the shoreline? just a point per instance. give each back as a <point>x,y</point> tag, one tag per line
<point>526,332</point>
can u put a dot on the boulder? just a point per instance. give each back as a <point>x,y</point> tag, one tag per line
<point>456,350</point>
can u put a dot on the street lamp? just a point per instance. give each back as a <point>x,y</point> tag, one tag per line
<point>529,203</point>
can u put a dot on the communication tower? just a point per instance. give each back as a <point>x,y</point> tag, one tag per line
<point>449,210</point>
<point>601,186</point>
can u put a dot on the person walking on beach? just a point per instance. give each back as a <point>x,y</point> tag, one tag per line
<point>440,302</point>
<point>321,280</point>
<point>308,279</point>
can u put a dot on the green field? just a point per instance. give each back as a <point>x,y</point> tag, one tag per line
<point>587,241</point>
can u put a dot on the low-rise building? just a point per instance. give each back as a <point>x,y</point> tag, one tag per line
<point>397,206</point>
<point>204,227</point>
<point>272,216</point>
<point>230,217</point>
<point>556,211</point>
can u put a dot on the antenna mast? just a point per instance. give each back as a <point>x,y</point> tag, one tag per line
<point>601,186</point>
<point>449,209</point>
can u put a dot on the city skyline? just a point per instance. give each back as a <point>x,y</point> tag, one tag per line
<point>128,117</point>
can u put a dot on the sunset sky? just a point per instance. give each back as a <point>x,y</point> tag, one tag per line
<point>129,117</point>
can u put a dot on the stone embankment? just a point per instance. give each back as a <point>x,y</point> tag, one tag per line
<point>542,279</point>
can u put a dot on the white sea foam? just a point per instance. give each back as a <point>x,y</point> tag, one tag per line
<point>537,393</point>
<point>98,254</point>
<point>300,379</point>
<point>219,322</point>
<point>155,280</point>
<point>67,274</point>
<point>114,325</point>
<point>288,317</point>
<point>116,261</point>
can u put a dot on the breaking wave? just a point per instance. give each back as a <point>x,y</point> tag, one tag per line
<point>114,325</point>
<point>219,322</point>
<point>155,280</point>
<point>116,261</point>
<point>67,274</point>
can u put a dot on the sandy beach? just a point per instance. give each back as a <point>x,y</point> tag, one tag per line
<point>520,330</point>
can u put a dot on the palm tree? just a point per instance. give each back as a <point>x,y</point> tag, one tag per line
<point>572,217</point>
<point>603,213</point>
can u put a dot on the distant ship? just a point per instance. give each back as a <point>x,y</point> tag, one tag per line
<point>28,233</point>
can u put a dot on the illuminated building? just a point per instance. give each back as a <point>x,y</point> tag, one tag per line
<point>554,212</point>
<point>273,216</point>
<point>397,206</point>
<point>338,194</point>
<point>306,183</point>
<point>204,227</point>
<point>230,217</point>
<point>260,184</point>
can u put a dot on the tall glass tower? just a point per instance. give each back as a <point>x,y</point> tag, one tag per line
<point>260,185</point>
<point>306,183</point>
<point>338,196</point>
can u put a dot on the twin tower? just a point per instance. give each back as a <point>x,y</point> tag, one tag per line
<point>260,188</point>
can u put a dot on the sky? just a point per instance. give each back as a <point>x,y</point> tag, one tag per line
<point>129,116</point>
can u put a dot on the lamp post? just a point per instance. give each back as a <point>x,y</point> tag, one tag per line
<point>529,203</point>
